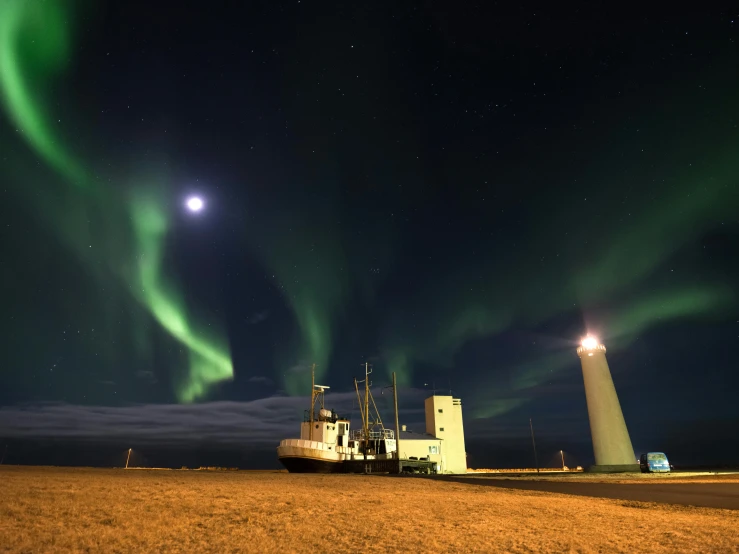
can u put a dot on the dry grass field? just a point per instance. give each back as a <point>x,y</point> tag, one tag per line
<point>96,510</point>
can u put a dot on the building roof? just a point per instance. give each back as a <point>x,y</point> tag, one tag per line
<point>410,435</point>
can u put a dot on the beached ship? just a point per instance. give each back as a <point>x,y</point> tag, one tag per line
<point>328,444</point>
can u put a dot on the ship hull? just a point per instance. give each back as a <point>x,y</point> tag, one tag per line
<point>301,456</point>
<point>301,464</point>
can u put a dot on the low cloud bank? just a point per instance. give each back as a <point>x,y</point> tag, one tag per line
<point>259,422</point>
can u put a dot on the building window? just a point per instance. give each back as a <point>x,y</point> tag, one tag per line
<point>441,411</point>
<point>433,449</point>
<point>441,428</point>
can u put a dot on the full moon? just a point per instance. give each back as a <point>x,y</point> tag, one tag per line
<point>194,204</point>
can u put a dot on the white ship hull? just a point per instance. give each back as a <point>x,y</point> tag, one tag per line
<point>304,456</point>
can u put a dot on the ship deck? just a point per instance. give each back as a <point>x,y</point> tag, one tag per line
<point>389,466</point>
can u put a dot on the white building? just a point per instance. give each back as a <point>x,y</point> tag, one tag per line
<point>443,441</point>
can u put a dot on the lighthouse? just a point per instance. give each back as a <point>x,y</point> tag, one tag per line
<point>611,442</point>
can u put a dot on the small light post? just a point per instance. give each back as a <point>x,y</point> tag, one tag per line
<point>561,453</point>
<point>533,441</point>
<point>128,457</point>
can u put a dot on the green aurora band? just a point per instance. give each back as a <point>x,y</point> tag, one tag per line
<point>308,268</point>
<point>573,253</point>
<point>610,264</point>
<point>27,65</point>
<point>485,311</point>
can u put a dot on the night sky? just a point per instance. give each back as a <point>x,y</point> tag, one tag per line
<point>451,191</point>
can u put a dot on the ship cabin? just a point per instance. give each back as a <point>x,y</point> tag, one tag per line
<point>329,429</point>
<point>335,433</point>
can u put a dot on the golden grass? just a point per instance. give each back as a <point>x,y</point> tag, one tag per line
<point>96,510</point>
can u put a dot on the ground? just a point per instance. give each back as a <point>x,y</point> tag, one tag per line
<point>98,510</point>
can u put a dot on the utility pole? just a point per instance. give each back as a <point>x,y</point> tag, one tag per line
<point>397,426</point>
<point>561,453</point>
<point>533,441</point>
<point>366,400</point>
<point>128,457</point>
<point>312,399</point>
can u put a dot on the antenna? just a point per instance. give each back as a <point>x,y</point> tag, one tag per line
<point>317,396</point>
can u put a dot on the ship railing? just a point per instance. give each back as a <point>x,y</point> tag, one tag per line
<point>302,443</point>
<point>358,434</point>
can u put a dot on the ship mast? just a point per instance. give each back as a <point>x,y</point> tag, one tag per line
<point>359,402</point>
<point>364,411</point>
<point>366,405</point>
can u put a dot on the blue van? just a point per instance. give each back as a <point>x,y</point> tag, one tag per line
<point>654,462</point>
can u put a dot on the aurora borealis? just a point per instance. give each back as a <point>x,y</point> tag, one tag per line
<point>27,67</point>
<point>455,194</point>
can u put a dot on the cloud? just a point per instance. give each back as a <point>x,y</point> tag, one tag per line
<point>302,367</point>
<point>261,380</point>
<point>146,375</point>
<point>262,422</point>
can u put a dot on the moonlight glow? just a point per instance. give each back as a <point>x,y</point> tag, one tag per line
<point>194,204</point>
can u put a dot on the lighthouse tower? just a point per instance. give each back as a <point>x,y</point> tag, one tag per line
<point>611,442</point>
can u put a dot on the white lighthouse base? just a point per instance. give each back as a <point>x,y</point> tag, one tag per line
<point>621,468</point>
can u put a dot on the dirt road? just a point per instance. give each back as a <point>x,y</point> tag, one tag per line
<point>707,495</point>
